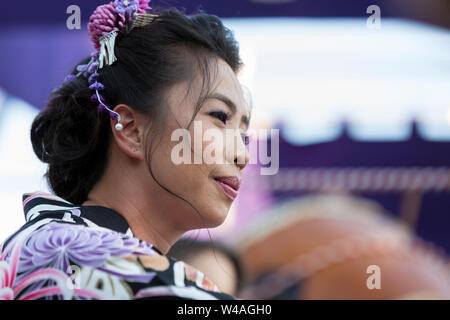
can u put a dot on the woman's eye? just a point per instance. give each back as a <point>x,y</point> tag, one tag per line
<point>222,116</point>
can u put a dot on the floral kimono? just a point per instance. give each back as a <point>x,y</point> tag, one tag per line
<point>66,251</point>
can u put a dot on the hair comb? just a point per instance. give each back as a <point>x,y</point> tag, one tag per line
<point>142,19</point>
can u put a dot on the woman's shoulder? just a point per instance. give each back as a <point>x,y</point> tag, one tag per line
<point>60,255</point>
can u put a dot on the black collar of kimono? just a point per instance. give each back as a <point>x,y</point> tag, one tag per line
<point>105,217</point>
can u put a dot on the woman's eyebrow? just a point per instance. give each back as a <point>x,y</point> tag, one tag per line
<point>216,95</point>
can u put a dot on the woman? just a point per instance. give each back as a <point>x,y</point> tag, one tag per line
<point>121,197</point>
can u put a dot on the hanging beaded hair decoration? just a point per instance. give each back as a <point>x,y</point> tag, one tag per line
<point>120,16</point>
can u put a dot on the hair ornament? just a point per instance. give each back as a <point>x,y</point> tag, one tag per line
<point>104,25</point>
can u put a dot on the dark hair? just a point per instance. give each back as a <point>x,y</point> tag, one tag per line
<point>186,248</point>
<point>73,137</point>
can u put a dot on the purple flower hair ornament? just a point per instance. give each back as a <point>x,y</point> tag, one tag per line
<point>93,77</point>
<point>104,25</point>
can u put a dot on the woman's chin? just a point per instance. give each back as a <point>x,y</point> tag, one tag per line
<point>217,217</point>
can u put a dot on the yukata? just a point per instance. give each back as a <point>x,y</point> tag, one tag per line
<point>65,251</point>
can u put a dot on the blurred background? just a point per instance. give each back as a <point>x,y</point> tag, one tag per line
<point>363,112</point>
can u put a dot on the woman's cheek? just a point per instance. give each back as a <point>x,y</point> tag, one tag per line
<point>214,146</point>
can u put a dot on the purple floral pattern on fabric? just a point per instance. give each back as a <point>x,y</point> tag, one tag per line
<point>60,244</point>
<point>11,287</point>
<point>26,265</point>
<point>111,264</point>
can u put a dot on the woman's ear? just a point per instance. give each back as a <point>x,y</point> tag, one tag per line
<point>130,138</point>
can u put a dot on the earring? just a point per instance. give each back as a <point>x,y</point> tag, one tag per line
<point>118,126</point>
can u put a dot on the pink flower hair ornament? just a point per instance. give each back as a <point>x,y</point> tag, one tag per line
<point>104,25</point>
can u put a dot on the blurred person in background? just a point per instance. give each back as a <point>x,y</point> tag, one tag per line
<point>216,260</point>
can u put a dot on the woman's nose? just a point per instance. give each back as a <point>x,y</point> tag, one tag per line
<point>242,155</point>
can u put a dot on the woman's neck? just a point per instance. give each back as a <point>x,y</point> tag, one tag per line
<point>147,216</point>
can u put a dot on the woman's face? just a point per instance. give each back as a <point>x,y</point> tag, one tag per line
<point>195,168</point>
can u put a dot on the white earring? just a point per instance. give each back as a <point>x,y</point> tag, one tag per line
<point>118,126</point>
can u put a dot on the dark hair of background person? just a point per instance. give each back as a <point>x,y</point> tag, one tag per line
<point>186,248</point>
<point>73,137</point>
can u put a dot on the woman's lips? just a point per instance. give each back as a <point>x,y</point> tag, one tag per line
<point>229,186</point>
